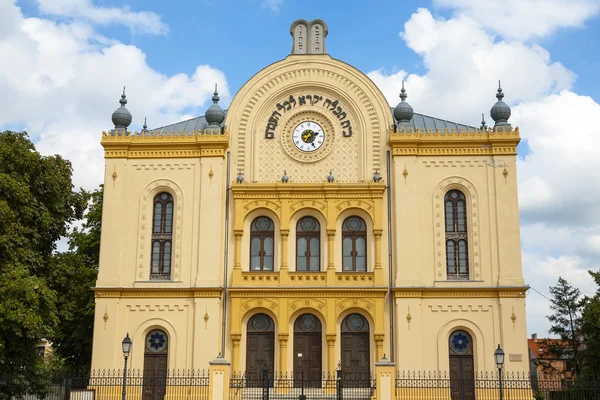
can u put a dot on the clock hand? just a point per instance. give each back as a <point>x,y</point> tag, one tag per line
<point>313,145</point>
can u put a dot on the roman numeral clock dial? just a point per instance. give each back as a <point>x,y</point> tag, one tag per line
<point>308,136</point>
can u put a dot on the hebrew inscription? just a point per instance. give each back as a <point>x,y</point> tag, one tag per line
<point>288,104</point>
<point>309,37</point>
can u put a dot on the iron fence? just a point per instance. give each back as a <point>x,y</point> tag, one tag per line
<point>108,385</point>
<point>493,386</point>
<point>282,386</point>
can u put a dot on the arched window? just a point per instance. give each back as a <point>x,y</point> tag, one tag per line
<point>354,244</point>
<point>261,244</point>
<point>457,261</point>
<point>162,237</point>
<point>308,244</point>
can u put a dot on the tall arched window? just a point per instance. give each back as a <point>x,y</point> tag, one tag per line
<point>308,244</point>
<point>162,237</point>
<point>261,244</point>
<point>354,244</point>
<point>457,261</point>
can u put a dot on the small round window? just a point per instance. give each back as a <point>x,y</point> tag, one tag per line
<point>461,343</point>
<point>156,341</point>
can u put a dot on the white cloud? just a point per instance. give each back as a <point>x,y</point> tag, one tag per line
<point>559,185</point>
<point>524,19</point>
<point>464,64</point>
<point>273,5</point>
<point>137,21</point>
<point>62,81</point>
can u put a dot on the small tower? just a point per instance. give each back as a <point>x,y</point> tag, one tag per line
<point>483,126</point>
<point>214,115</point>
<point>403,112</point>
<point>121,117</point>
<point>500,112</point>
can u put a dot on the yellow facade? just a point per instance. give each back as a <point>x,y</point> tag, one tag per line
<point>410,305</point>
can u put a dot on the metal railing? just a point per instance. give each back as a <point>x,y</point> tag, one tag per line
<point>281,386</point>
<point>486,385</point>
<point>108,385</point>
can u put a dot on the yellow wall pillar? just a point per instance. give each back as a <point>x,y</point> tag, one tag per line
<point>283,339</point>
<point>237,268</point>
<point>331,259</point>
<point>283,271</point>
<point>218,384</point>
<point>330,354</point>
<point>378,270</point>
<point>235,341</point>
<point>379,346</point>
<point>385,374</point>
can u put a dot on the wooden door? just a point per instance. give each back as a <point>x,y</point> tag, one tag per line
<point>462,367</point>
<point>356,359</point>
<point>260,354</point>
<point>307,359</point>
<point>155,366</point>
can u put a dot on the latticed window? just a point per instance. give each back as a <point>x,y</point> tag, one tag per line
<point>457,260</point>
<point>261,244</point>
<point>308,244</point>
<point>354,244</point>
<point>162,237</point>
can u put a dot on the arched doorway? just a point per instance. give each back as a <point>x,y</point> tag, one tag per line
<point>155,365</point>
<point>260,348</point>
<point>462,369</point>
<point>356,355</point>
<point>308,350</point>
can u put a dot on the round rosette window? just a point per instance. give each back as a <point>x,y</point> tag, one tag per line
<point>156,341</point>
<point>461,343</point>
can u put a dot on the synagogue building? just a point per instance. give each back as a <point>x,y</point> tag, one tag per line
<point>311,227</point>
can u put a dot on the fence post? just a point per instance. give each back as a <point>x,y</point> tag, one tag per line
<point>385,373</point>
<point>218,384</point>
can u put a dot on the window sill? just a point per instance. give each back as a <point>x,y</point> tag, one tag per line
<point>155,283</point>
<point>458,283</point>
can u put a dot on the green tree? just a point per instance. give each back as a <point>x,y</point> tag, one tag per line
<point>591,330</point>
<point>72,274</point>
<point>37,204</point>
<point>566,323</point>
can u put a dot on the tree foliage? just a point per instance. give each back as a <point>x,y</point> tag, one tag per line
<point>72,274</point>
<point>37,204</point>
<point>566,322</point>
<point>591,330</point>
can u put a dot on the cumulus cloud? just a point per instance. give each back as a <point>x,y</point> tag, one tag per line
<point>525,19</point>
<point>61,81</point>
<point>559,187</point>
<point>137,21</point>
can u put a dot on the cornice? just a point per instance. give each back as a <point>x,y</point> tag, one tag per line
<point>157,292</point>
<point>500,292</point>
<point>279,292</point>
<point>423,142</point>
<point>164,145</point>
<point>307,190</point>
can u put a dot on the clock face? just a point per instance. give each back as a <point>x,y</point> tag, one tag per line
<point>308,136</point>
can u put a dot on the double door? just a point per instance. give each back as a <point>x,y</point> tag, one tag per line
<point>462,377</point>
<point>155,377</point>
<point>307,359</point>
<point>260,357</point>
<point>356,359</point>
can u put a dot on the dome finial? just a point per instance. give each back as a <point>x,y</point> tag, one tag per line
<point>500,112</point>
<point>121,117</point>
<point>403,112</point>
<point>330,177</point>
<point>214,115</point>
<point>483,126</point>
<point>145,126</point>
<point>285,178</point>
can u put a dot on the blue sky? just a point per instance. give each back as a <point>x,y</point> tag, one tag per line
<point>64,63</point>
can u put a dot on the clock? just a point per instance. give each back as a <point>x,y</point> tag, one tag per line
<point>308,136</point>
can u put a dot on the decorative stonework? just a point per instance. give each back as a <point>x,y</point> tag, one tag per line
<point>159,166</point>
<point>316,304</point>
<point>259,303</point>
<point>455,182</point>
<point>460,308</point>
<point>145,228</point>
<point>156,307</point>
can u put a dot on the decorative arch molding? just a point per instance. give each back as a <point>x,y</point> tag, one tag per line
<point>479,343</point>
<point>249,109</point>
<point>253,205</point>
<point>145,224</point>
<point>139,336</point>
<point>306,305</point>
<point>320,206</point>
<point>249,306</point>
<point>363,305</point>
<point>472,197</point>
<point>357,204</point>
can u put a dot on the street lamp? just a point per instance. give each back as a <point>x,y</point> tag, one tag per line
<point>499,356</point>
<point>126,344</point>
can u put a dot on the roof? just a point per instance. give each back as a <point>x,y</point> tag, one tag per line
<point>421,121</point>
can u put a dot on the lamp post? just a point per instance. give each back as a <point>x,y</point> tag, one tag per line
<point>499,356</point>
<point>126,344</point>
